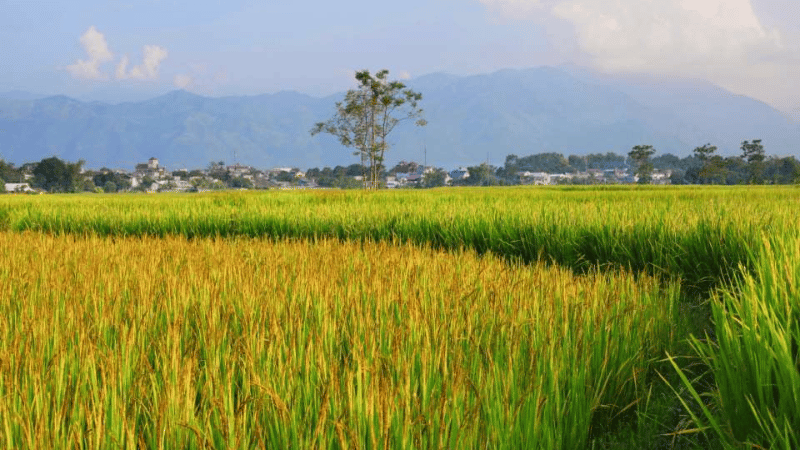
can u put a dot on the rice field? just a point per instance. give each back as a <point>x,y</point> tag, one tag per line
<point>459,318</point>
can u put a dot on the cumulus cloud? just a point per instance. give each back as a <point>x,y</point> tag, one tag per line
<point>148,70</point>
<point>669,36</point>
<point>657,35</point>
<point>96,47</point>
<point>723,41</point>
<point>122,68</point>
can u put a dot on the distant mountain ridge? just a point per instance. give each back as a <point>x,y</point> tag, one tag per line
<point>471,119</point>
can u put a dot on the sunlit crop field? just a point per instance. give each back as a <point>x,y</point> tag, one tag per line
<point>485,318</point>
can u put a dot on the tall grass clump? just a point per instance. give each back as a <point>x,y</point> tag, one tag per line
<point>754,360</point>
<point>241,343</point>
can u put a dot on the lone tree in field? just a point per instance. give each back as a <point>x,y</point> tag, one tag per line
<point>641,156</point>
<point>366,117</point>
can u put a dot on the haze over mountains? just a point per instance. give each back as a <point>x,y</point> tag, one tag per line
<point>471,119</point>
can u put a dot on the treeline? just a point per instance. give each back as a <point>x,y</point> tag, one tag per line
<point>703,166</point>
<point>50,174</point>
<point>58,176</point>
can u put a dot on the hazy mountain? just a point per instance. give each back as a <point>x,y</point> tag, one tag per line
<point>472,118</point>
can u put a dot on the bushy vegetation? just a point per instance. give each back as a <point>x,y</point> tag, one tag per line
<point>458,318</point>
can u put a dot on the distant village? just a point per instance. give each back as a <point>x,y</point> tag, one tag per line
<point>152,177</point>
<point>543,169</point>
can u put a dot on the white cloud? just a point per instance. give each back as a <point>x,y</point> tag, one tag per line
<point>723,41</point>
<point>683,36</point>
<point>183,81</point>
<point>96,47</point>
<point>148,70</point>
<point>404,75</point>
<point>94,43</point>
<point>122,68</point>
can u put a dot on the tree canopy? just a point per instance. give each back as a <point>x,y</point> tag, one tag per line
<point>55,175</point>
<point>368,115</point>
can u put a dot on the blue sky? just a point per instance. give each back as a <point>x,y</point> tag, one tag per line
<point>131,49</point>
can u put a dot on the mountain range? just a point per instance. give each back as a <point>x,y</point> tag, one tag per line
<point>471,119</point>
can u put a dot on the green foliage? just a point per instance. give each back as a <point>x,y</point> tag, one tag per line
<point>783,170</point>
<point>753,153</point>
<point>217,170</point>
<point>284,177</point>
<point>9,173</point>
<point>482,175</point>
<point>241,183</point>
<point>641,154</point>
<point>754,359</point>
<point>145,184</point>
<point>55,175</point>
<point>705,152</point>
<point>117,181</point>
<point>87,185</point>
<point>435,178</point>
<point>542,162</point>
<point>368,115</point>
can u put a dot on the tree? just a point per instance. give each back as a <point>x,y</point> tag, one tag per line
<point>241,183</point>
<point>354,170</point>
<point>217,170</point>
<point>705,152</point>
<point>434,178</point>
<point>9,173</point>
<point>782,170</point>
<point>55,175</point>
<point>641,154</point>
<point>482,175</point>
<point>753,153</point>
<point>87,185</point>
<point>285,177</point>
<point>368,115</point>
<point>111,181</point>
<point>577,162</point>
<point>710,164</point>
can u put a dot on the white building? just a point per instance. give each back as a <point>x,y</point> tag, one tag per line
<point>18,187</point>
<point>459,174</point>
<point>538,178</point>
